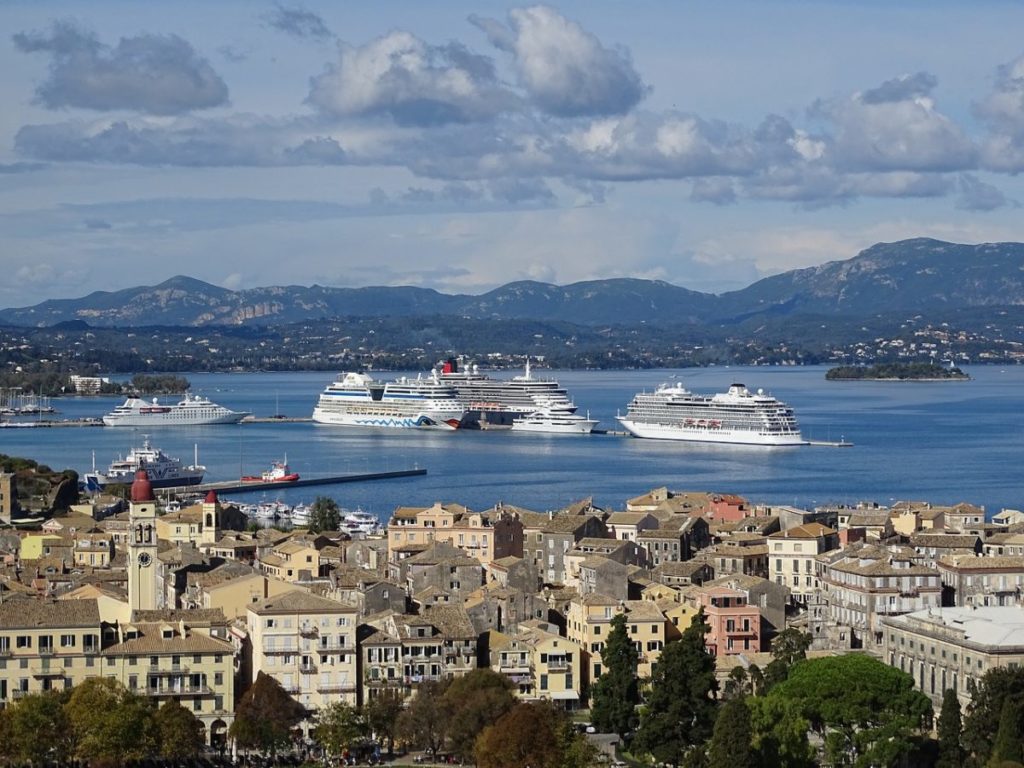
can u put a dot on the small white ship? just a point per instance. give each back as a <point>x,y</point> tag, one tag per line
<point>555,421</point>
<point>192,410</point>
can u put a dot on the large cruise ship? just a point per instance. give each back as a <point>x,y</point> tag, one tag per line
<point>499,402</point>
<point>357,400</point>
<point>738,416</point>
<point>192,410</point>
<point>164,471</point>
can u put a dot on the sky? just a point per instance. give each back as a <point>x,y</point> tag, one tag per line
<point>463,145</point>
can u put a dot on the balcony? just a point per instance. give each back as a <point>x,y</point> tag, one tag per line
<point>188,690</point>
<point>335,687</point>
<point>280,651</point>
<point>307,669</point>
<point>174,669</point>
<point>558,666</point>
<point>515,669</point>
<point>47,672</point>
<point>5,653</point>
<point>46,650</point>
<point>91,650</point>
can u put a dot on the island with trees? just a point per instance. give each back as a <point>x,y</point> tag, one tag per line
<point>896,372</point>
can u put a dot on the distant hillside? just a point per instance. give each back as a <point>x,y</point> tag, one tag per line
<point>908,276</point>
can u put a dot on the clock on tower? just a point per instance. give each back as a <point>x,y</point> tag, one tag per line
<point>142,592</point>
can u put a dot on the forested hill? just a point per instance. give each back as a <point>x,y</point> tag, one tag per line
<point>920,275</point>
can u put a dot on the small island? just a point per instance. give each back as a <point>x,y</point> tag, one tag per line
<point>896,372</point>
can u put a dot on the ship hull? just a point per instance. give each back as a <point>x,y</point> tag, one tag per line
<point>171,420</point>
<point>584,427</point>
<point>97,482</point>
<point>436,420</point>
<point>699,435</point>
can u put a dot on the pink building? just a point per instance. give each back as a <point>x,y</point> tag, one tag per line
<point>735,624</point>
<point>727,507</point>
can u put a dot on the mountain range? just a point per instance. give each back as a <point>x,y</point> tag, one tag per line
<point>919,275</point>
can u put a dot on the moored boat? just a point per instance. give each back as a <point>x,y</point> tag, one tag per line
<point>737,416</point>
<point>279,472</point>
<point>164,471</point>
<point>555,421</point>
<point>191,410</point>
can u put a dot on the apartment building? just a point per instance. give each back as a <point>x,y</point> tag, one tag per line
<point>977,581</point>
<point>863,582</point>
<point>589,622</point>
<point>953,647</point>
<point>791,557</point>
<point>548,538</point>
<point>540,663</point>
<point>486,536</point>
<point>308,644</point>
<point>735,624</point>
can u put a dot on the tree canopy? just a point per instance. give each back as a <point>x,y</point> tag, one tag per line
<point>680,707</point>
<point>730,745</point>
<point>424,722</point>
<point>616,693</point>
<point>111,725</point>
<point>986,710</point>
<point>859,705</point>
<point>36,729</point>
<point>324,515</point>
<point>265,716</point>
<point>951,751</point>
<point>473,702</point>
<point>179,733</point>
<point>533,734</point>
<point>382,712</point>
<point>339,726</point>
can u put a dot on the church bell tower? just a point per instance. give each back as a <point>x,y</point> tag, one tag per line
<point>142,592</point>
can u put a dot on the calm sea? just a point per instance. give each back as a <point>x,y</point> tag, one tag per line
<point>939,441</point>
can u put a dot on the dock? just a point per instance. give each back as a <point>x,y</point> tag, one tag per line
<point>234,486</point>
<point>831,443</point>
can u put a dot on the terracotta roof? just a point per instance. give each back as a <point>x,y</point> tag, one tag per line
<point>299,601</point>
<point>31,614</point>
<point>152,642</point>
<point>805,531</point>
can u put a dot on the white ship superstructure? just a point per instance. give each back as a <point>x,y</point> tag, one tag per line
<point>357,400</point>
<point>498,402</point>
<point>192,410</point>
<point>555,421</point>
<point>738,416</point>
<point>164,471</point>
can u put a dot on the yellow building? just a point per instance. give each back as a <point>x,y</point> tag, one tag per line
<point>34,545</point>
<point>233,595</point>
<point>486,536</point>
<point>172,660</point>
<point>293,560</point>
<point>308,644</point>
<point>47,645</point>
<point>95,550</point>
<point>540,663</point>
<point>589,622</point>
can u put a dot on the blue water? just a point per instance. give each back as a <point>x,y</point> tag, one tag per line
<point>940,441</point>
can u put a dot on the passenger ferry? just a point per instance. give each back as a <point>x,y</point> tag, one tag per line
<point>164,471</point>
<point>192,410</point>
<point>357,400</point>
<point>738,416</point>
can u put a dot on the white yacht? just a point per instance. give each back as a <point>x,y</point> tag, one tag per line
<point>357,400</point>
<point>359,523</point>
<point>192,410</point>
<point>499,402</point>
<point>555,421</point>
<point>738,416</point>
<point>164,471</point>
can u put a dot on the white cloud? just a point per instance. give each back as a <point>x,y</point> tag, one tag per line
<point>565,70</point>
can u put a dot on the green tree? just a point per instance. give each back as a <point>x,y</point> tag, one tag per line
<point>680,708</point>
<point>339,726</point>
<point>37,729</point>
<point>730,745</point>
<point>858,705</point>
<point>779,733</point>
<point>473,702</point>
<point>951,751</point>
<point>382,713</point>
<point>986,708</point>
<point>424,722</point>
<point>111,725</point>
<point>265,716</point>
<point>737,684</point>
<point>324,515</point>
<point>1009,742</point>
<point>179,732</point>
<point>616,693</point>
<point>789,647</point>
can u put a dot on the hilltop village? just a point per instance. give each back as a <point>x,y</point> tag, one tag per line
<point>190,606</point>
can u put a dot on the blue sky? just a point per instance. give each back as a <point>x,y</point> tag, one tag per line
<point>459,146</point>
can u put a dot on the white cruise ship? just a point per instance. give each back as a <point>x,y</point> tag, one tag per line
<point>164,471</point>
<point>738,416</point>
<point>192,410</point>
<point>357,400</point>
<point>499,402</point>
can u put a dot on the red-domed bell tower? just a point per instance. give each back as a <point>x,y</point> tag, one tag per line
<point>142,549</point>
